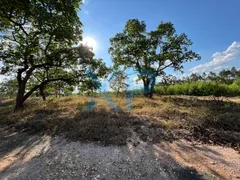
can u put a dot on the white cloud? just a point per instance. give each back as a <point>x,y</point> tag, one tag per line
<point>219,59</point>
<point>134,82</point>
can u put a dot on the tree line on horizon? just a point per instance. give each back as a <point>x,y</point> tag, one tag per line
<point>224,83</point>
<point>225,76</point>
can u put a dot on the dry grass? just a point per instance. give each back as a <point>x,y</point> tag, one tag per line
<point>161,118</point>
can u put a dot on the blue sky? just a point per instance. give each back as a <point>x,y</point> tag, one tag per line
<point>212,25</point>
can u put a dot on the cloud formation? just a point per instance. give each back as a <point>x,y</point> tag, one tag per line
<point>219,59</point>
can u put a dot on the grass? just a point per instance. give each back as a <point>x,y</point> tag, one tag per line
<point>153,120</point>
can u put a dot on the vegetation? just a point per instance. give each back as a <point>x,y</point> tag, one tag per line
<point>8,88</point>
<point>200,88</point>
<point>151,120</point>
<point>226,83</point>
<point>41,51</point>
<point>150,53</point>
<point>37,45</point>
<point>118,81</point>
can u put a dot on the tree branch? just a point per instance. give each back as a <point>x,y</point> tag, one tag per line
<point>20,26</point>
<point>48,44</point>
<point>164,67</point>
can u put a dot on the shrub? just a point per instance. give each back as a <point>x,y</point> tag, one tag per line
<point>161,90</point>
<point>200,88</point>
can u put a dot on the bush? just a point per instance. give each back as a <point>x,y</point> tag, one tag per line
<point>200,88</point>
<point>161,90</point>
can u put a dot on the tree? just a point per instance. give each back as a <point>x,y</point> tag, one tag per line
<point>225,76</point>
<point>195,77</point>
<point>169,79</point>
<point>118,80</point>
<point>59,88</point>
<point>204,77</point>
<point>90,86</point>
<point>8,88</point>
<point>150,53</point>
<point>93,79</point>
<point>237,81</point>
<point>38,36</point>
<point>212,76</point>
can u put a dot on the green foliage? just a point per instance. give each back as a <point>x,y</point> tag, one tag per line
<point>118,81</point>
<point>93,81</point>
<point>38,44</point>
<point>199,88</point>
<point>8,88</point>
<point>90,86</point>
<point>150,53</point>
<point>223,77</point>
<point>237,81</point>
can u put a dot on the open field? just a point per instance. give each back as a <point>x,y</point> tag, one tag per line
<point>175,135</point>
<point>163,118</point>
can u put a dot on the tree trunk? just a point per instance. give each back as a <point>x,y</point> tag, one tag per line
<point>146,88</point>
<point>152,84</point>
<point>149,86</point>
<point>20,97</point>
<point>42,93</point>
<point>19,102</point>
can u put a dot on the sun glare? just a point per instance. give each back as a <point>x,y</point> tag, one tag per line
<point>89,41</point>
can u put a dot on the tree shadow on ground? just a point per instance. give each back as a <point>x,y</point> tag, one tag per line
<point>35,157</point>
<point>107,130</point>
<point>215,121</point>
<point>110,132</point>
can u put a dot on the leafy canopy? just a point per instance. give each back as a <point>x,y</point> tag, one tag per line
<point>38,44</point>
<point>150,53</point>
<point>118,80</point>
<point>38,34</point>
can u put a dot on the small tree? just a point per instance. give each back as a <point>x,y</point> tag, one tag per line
<point>212,76</point>
<point>118,81</point>
<point>8,88</point>
<point>150,53</point>
<point>90,86</point>
<point>93,79</point>
<point>195,77</point>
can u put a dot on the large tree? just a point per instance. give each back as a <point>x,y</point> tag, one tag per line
<point>70,78</point>
<point>150,53</point>
<point>38,36</point>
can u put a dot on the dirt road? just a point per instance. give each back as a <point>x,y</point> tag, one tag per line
<point>23,156</point>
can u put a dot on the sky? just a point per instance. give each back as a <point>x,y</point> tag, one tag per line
<point>212,25</point>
